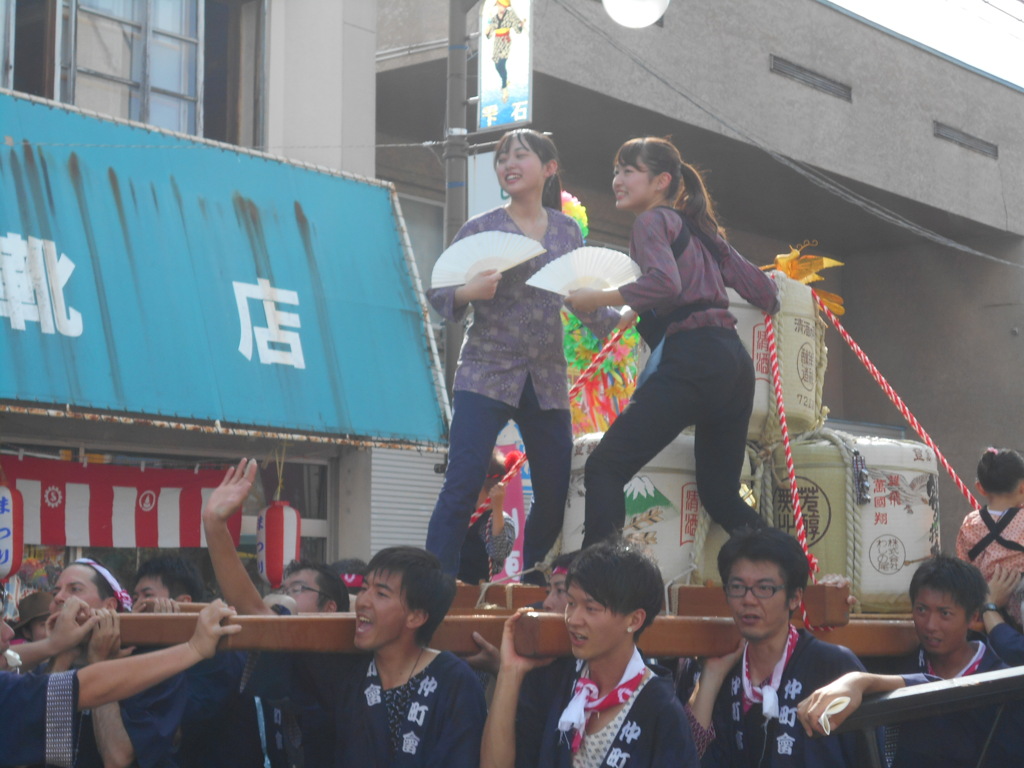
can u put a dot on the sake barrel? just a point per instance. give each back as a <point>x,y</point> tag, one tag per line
<point>711,536</point>
<point>662,505</point>
<point>870,507</point>
<point>803,357</point>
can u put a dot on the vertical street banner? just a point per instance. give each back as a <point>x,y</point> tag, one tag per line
<point>505,62</point>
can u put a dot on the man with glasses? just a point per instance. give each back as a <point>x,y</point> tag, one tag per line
<point>744,710</point>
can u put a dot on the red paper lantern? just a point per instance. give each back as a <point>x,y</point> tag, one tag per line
<point>278,535</point>
<point>12,531</point>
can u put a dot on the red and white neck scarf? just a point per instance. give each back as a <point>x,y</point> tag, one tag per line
<point>971,667</point>
<point>585,700</point>
<point>768,692</point>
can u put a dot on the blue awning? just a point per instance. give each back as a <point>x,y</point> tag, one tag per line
<point>145,272</point>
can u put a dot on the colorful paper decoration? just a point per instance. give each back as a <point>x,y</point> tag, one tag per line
<point>278,536</point>
<point>574,209</point>
<point>606,393</point>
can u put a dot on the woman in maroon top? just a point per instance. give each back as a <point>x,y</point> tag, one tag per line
<point>705,377</point>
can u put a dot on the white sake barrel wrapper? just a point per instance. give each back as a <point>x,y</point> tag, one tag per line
<point>711,536</point>
<point>873,526</point>
<point>663,509</point>
<point>803,358</point>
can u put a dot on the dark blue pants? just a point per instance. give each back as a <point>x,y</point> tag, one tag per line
<point>476,422</point>
<point>706,379</point>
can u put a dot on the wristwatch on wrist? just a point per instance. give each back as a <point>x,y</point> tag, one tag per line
<point>989,607</point>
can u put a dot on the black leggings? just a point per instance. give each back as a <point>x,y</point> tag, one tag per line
<point>705,378</point>
<point>502,66</point>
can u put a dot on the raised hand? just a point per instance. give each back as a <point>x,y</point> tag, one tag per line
<point>229,496</point>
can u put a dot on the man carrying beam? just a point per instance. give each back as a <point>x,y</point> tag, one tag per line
<point>744,709</point>
<point>603,706</point>
<point>946,596</point>
<point>399,703</point>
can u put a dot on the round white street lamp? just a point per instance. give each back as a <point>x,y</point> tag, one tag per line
<point>635,13</point>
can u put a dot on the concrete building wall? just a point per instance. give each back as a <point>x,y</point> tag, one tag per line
<point>321,87</point>
<point>718,51</point>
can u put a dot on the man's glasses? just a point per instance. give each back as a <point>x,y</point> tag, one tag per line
<point>736,589</point>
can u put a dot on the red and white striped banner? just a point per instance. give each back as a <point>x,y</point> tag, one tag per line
<point>101,505</point>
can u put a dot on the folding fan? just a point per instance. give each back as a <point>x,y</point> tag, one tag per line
<point>477,253</point>
<point>586,267</point>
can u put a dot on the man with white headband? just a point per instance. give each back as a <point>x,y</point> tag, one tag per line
<point>141,729</point>
<point>744,709</point>
<point>604,706</point>
<point>40,721</point>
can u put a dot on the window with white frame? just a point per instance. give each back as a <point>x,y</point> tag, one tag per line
<point>136,59</point>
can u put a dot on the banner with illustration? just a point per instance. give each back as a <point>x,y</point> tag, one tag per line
<point>505,64</point>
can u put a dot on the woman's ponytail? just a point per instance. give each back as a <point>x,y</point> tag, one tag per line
<point>696,203</point>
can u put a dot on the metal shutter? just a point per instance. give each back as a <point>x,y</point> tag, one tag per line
<point>403,490</point>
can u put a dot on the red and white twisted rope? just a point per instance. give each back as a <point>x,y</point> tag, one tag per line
<point>589,371</point>
<point>897,401</point>
<point>794,491</point>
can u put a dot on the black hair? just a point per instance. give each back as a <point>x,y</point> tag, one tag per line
<point>425,586</point>
<point>495,470</point>
<point>545,149</point>
<point>621,576</point>
<point>766,545</point>
<point>686,190</point>
<point>565,559</point>
<point>330,586</point>
<point>102,585</point>
<point>959,579</point>
<point>177,574</point>
<point>1000,471</point>
<point>349,565</point>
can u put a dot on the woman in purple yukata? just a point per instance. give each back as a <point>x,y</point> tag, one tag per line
<point>512,365</point>
<point>705,377</point>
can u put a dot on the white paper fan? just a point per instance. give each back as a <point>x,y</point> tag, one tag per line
<point>587,267</point>
<point>476,253</point>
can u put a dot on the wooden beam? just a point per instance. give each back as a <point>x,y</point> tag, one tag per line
<point>505,596</point>
<point>538,634</point>
<point>827,606</point>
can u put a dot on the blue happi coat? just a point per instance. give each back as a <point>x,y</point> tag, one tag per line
<point>956,740</point>
<point>441,727</point>
<point>654,733</point>
<point>746,739</point>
